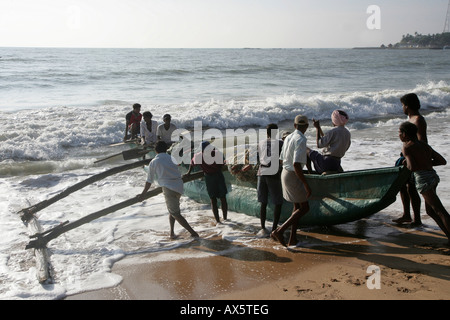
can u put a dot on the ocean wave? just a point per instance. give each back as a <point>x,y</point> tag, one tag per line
<point>361,106</point>
<point>56,133</point>
<point>25,168</point>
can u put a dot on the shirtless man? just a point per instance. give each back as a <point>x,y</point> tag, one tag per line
<point>408,193</point>
<point>420,159</point>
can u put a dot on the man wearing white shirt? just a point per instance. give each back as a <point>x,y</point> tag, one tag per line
<point>269,177</point>
<point>165,130</point>
<point>295,186</point>
<point>163,170</point>
<point>148,129</point>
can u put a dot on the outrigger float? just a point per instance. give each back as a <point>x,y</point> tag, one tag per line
<point>336,199</point>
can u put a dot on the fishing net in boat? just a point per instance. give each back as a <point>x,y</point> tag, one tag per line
<point>241,167</point>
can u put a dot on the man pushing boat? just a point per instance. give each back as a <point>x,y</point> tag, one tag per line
<point>163,170</point>
<point>295,186</point>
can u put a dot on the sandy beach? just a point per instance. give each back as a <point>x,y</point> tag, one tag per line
<point>329,263</point>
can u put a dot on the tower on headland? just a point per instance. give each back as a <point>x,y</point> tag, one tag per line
<point>447,19</point>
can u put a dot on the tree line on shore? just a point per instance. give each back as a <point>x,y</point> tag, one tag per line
<point>438,40</point>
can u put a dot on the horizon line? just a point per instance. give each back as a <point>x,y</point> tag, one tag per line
<point>177,48</point>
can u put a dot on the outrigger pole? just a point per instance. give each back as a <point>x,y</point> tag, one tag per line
<point>27,213</point>
<point>43,237</point>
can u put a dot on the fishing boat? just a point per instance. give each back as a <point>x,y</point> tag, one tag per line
<point>336,198</point>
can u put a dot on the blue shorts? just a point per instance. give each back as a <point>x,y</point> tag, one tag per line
<point>426,180</point>
<point>270,185</point>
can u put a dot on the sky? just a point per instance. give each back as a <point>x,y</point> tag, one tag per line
<point>216,23</point>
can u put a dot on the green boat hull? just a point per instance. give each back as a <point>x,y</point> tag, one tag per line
<point>336,199</point>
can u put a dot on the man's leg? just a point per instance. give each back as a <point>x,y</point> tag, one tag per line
<point>215,209</point>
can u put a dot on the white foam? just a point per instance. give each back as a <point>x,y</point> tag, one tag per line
<point>83,132</point>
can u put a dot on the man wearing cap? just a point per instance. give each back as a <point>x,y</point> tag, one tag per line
<point>295,186</point>
<point>336,143</point>
<point>165,130</point>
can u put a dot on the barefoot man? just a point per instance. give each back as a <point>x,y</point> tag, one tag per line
<point>295,186</point>
<point>420,159</point>
<point>408,193</point>
<point>163,170</point>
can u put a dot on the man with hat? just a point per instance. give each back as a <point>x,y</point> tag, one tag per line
<point>335,143</point>
<point>295,186</point>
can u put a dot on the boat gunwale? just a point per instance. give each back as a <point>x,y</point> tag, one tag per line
<point>355,173</point>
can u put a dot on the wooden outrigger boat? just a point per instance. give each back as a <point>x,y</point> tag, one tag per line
<point>336,198</point>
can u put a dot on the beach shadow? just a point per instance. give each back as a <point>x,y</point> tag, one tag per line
<point>439,271</point>
<point>354,230</point>
<point>392,251</point>
<point>230,250</point>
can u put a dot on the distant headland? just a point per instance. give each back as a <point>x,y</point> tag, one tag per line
<point>419,41</point>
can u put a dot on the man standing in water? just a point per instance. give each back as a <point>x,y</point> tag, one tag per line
<point>213,175</point>
<point>148,129</point>
<point>269,182</point>
<point>420,159</point>
<point>133,122</point>
<point>165,130</point>
<point>408,192</point>
<point>163,170</point>
<point>295,186</point>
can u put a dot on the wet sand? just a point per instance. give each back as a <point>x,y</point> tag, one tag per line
<point>330,263</point>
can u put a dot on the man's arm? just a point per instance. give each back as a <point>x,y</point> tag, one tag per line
<point>421,125</point>
<point>437,158</point>
<point>146,188</point>
<point>319,132</point>
<point>126,130</point>
<point>127,124</point>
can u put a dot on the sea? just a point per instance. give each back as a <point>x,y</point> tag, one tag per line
<point>61,109</point>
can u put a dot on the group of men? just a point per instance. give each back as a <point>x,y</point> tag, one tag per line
<point>148,129</point>
<point>294,156</point>
<point>419,157</point>
<point>164,171</point>
<point>289,183</point>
